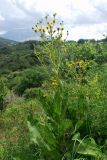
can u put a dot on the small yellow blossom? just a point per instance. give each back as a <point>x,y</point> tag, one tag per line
<point>69,64</point>
<point>45,95</point>
<point>54,83</point>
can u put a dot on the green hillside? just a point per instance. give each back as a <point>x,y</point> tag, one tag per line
<point>17,56</point>
<point>5,42</point>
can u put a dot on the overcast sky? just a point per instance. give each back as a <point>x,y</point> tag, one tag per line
<point>84,18</point>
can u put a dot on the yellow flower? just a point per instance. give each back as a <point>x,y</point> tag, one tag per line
<point>54,31</point>
<point>62,28</point>
<point>40,28</point>
<point>54,21</point>
<point>54,83</point>
<point>58,28</point>
<point>69,64</point>
<point>45,95</point>
<point>43,29</point>
<point>47,27</point>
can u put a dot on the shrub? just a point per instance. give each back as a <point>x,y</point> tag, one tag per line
<point>32,78</point>
<point>31,93</point>
<point>3,92</point>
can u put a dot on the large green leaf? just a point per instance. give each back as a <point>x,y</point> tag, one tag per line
<point>48,135</point>
<point>36,136</point>
<point>89,147</point>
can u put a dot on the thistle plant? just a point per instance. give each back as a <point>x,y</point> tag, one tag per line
<point>54,50</point>
<point>50,29</point>
<point>63,105</point>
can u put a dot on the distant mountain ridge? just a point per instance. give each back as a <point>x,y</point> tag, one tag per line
<point>5,42</point>
<point>20,35</point>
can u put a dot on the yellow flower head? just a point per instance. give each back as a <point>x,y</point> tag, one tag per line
<point>69,65</point>
<point>54,83</point>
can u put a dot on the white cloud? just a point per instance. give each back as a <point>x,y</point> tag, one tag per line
<point>43,6</point>
<point>89,32</point>
<point>10,11</point>
<point>84,18</point>
<point>2,18</point>
<point>68,9</point>
<point>2,32</point>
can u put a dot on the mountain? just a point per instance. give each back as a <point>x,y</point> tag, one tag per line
<point>20,35</point>
<point>5,42</point>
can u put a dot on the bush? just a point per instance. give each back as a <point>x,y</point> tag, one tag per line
<point>3,92</point>
<point>32,78</point>
<point>32,93</point>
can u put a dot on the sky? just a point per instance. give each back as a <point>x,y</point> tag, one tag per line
<point>85,19</point>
